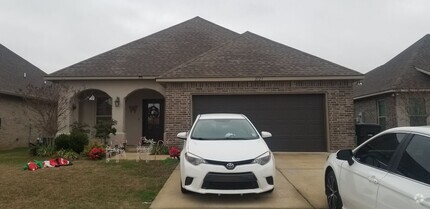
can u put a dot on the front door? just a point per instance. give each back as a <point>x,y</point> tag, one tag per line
<point>153,119</point>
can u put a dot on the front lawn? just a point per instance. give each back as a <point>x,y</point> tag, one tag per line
<point>85,184</point>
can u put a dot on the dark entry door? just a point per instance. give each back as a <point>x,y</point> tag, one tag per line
<point>296,121</point>
<point>153,119</point>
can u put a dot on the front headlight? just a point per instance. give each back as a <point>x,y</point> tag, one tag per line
<point>193,159</point>
<point>263,159</point>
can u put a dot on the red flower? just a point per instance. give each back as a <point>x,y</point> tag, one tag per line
<point>97,153</point>
<point>174,152</point>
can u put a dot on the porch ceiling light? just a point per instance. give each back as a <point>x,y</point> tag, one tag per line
<point>92,98</point>
<point>117,102</point>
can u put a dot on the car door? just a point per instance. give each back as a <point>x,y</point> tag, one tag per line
<point>359,182</point>
<point>408,186</point>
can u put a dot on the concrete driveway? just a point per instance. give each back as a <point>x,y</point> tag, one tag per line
<point>298,185</point>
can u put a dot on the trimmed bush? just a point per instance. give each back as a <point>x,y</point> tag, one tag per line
<point>62,142</point>
<point>77,141</point>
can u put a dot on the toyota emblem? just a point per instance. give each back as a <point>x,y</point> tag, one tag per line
<point>230,166</point>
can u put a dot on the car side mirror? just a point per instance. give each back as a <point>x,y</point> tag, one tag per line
<point>345,154</point>
<point>182,135</point>
<point>266,134</point>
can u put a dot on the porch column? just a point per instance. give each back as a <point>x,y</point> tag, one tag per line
<point>118,114</point>
<point>65,114</point>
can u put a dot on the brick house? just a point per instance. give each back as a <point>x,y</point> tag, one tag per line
<point>155,87</point>
<point>16,128</point>
<point>398,92</point>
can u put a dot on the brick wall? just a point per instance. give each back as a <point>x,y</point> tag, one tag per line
<point>369,110</point>
<point>338,94</point>
<point>16,128</point>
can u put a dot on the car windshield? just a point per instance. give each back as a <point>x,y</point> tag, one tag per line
<point>223,129</point>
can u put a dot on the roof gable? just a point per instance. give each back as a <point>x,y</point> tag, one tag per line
<point>250,55</point>
<point>155,54</point>
<point>401,72</point>
<point>12,70</point>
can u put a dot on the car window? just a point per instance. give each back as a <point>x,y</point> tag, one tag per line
<point>223,129</point>
<point>379,151</point>
<point>415,161</point>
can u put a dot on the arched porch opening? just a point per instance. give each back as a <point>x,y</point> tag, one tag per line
<point>93,106</point>
<point>144,115</point>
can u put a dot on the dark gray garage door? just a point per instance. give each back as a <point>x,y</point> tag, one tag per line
<point>297,122</point>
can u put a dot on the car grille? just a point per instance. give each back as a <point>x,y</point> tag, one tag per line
<point>230,181</point>
<point>223,163</point>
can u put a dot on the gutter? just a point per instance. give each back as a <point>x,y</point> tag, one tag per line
<point>260,78</point>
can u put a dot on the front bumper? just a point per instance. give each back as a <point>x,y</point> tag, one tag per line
<point>217,179</point>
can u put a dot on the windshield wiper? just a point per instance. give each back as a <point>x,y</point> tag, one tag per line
<point>200,138</point>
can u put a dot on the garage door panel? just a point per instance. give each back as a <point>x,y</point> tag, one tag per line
<point>297,122</point>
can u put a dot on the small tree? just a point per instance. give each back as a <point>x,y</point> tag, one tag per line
<point>45,105</point>
<point>104,128</point>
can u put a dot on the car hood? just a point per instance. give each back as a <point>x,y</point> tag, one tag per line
<point>227,150</point>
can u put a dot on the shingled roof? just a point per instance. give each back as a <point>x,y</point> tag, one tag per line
<point>250,55</point>
<point>408,70</point>
<point>155,54</point>
<point>12,70</point>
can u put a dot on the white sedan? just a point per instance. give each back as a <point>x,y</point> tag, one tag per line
<point>224,154</point>
<point>390,170</point>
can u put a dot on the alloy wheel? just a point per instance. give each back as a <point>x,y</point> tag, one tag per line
<point>332,191</point>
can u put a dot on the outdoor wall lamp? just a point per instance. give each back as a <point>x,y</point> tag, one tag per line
<point>117,102</point>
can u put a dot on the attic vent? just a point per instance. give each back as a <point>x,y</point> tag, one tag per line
<point>25,75</point>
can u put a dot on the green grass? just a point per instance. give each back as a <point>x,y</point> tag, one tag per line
<point>85,184</point>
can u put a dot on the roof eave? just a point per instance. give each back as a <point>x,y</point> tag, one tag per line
<point>261,78</point>
<point>391,91</point>
<point>69,78</point>
<point>421,70</point>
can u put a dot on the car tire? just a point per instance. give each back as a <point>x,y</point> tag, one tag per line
<point>332,191</point>
<point>184,191</point>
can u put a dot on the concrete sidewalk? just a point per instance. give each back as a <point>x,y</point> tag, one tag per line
<point>298,185</point>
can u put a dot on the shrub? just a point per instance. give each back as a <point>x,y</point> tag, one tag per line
<point>45,151</point>
<point>33,150</point>
<point>62,142</point>
<point>97,153</point>
<point>80,127</point>
<point>90,146</point>
<point>77,141</point>
<point>104,128</point>
<point>67,154</point>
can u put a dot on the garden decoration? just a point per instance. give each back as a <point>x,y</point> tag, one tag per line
<point>144,147</point>
<point>35,164</point>
<point>119,152</point>
<point>97,153</point>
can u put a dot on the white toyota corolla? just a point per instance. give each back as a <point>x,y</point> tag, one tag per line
<point>389,171</point>
<point>224,154</point>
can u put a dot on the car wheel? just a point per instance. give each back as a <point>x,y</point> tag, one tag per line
<point>184,191</point>
<point>332,191</point>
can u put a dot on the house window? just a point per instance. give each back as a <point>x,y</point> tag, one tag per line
<point>382,115</point>
<point>104,109</point>
<point>417,112</point>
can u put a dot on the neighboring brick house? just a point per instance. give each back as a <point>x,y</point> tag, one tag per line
<point>156,85</point>
<point>398,92</point>
<point>16,128</point>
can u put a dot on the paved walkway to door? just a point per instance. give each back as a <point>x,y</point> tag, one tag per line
<point>298,185</point>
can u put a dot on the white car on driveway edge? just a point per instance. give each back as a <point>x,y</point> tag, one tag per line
<point>390,170</point>
<point>224,154</point>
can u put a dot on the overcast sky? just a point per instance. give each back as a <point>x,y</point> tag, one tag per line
<point>358,34</point>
